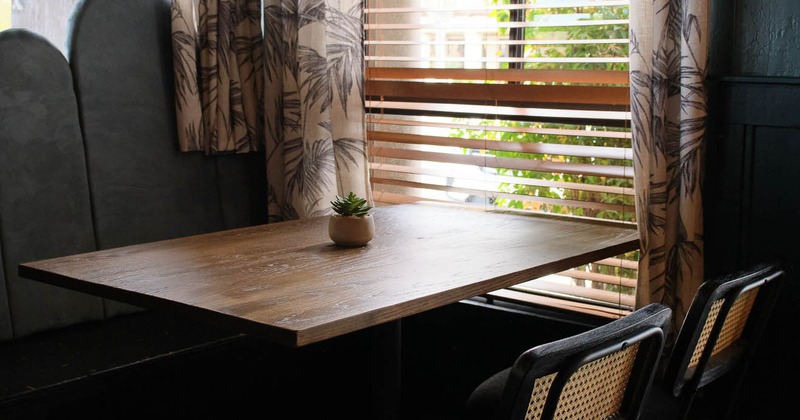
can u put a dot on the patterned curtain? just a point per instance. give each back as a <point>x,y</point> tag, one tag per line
<point>218,60</point>
<point>294,90</point>
<point>316,134</point>
<point>668,51</point>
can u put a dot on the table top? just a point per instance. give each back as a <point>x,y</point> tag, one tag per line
<point>288,282</point>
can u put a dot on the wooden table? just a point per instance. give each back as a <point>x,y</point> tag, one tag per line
<point>290,284</point>
<point>288,281</point>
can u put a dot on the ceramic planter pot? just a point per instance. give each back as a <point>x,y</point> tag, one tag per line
<point>351,230</point>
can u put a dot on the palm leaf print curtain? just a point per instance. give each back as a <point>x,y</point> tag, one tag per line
<point>316,134</point>
<point>218,61</point>
<point>668,53</point>
<point>293,90</point>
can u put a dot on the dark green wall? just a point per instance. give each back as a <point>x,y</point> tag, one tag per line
<point>765,39</point>
<point>755,38</point>
<point>752,181</point>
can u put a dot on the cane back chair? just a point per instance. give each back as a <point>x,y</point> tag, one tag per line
<point>602,373</point>
<point>717,339</point>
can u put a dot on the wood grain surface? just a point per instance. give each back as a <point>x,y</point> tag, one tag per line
<point>288,282</point>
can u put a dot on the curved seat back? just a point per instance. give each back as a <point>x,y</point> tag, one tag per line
<point>143,188</point>
<point>45,207</point>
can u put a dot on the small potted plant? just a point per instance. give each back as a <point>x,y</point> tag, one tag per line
<point>351,224</point>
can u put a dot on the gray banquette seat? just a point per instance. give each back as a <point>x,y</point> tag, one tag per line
<point>89,160</point>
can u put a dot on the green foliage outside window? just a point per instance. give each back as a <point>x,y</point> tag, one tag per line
<point>576,50</point>
<point>610,31</point>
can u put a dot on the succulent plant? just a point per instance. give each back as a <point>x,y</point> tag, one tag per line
<point>352,205</point>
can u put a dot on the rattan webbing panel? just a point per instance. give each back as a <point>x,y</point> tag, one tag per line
<point>736,320</point>
<point>731,330</point>
<point>594,391</point>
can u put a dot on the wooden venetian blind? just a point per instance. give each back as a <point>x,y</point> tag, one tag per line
<point>514,104</point>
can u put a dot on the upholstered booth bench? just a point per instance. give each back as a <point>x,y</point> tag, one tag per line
<point>89,160</point>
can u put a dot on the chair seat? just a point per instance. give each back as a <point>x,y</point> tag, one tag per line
<point>484,400</point>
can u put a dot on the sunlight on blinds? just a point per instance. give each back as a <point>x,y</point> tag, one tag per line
<point>514,105</point>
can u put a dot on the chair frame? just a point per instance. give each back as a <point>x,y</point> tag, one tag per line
<point>647,327</point>
<point>684,382</point>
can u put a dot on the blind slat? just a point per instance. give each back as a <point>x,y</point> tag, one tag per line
<point>495,194</point>
<point>506,42</point>
<point>376,120</point>
<point>455,109</point>
<point>500,162</point>
<point>387,197</point>
<point>495,26</point>
<point>506,75</point>
<point>600,278</point>
<point>497,179</point>
<point>541,4</point>
<point>564,290</point>
<point>578,60</point>
<point>619,262</point>
<point>608,311</point>
<point>422,91</point>
<point>620,153</point>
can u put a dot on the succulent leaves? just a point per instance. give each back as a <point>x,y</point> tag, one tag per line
<point>352,205</point>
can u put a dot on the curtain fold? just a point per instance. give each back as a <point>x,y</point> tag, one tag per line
<point>316,133</point>
<point>218,57</point>
<point>668,53</point>
<point>294,90</point>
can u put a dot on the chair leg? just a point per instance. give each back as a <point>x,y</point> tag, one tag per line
<point>686,406</point>
<point>730,409</point>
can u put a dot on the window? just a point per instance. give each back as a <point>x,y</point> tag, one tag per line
<point>508,104</point>
<point>48,18</point>
<point>5,14</point>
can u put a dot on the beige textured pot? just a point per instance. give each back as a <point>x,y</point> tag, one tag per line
<point>351,230</point>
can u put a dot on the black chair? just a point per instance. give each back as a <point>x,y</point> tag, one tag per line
<point>717,340</point>
<point>601,373</point>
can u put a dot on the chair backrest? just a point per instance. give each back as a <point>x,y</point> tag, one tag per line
<point>722,327</point>
<point>603,372</point>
